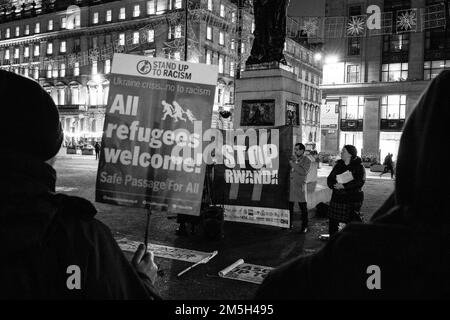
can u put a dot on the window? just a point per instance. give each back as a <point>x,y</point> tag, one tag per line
<point>136,37</point>
<point>233,17</point>
<point>353,74</point>
<point>95,18</point>
<point>222,11</point>
<point>36,72</point>
<point>122,39</point>
<point>50,48</point>
<point>122,14</point>
<point>62,46</point>
<point>177,55</point>
<point>432,68</point>
<point>396,43</point>
<point>62,96</point>
<point>17,31</point>
<point>108,15</point>
<point>76,69</point>
<point>161,6</point>
<point>178,31</point>
<point>243,48</point>
<point>232,69</point>
<point>26,52</point>
<point>49,71</point>
<point>16,53</point>
<point>63,23</point>
<point>150,7</point>
<point>7,54</point>
<point>27,29</point>
<point>26,72</point>
<point>208,33</point>
<point>222,38</point>
<point>136,11</point>
<point>394,72</point>
<point>178,4</point>
<point>354,46</point>
<point>50,25</point>
<point>77,20</point>
<point>233,44</point>
<point>393,107</point>
<point>8,33</point>
<point>55,71</point>
<point>208,57</point>
<point>36,50</point>
<point>107,66</point>
<point>210,5</point>
<point>62,72</point>
<point>37,28</point>
<point>94,67</point>
<point>352,108</point>
<point>151,35</point>
<point>221,64</point>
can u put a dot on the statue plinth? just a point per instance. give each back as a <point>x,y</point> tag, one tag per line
<point>267,65</point>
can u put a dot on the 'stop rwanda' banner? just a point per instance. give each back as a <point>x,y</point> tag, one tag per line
<point>154,107</point>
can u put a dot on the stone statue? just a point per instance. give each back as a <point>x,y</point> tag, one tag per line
<point>270,31</point>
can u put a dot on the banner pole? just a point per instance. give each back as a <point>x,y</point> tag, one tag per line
<point>149,213</point>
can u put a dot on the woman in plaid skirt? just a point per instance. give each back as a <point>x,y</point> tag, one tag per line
<point>347,197</point>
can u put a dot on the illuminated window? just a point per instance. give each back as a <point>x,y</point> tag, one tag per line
<point>221,64</point>
<point>242,47</point>
<point>233,17</point>
<point>122,15</point>
<point>352,108</point>
<point>150,7</point>
<point>76,69</point>
<point>394,72</point>
<point>27,29</point>
<point>233,44</point>
<point>18,31</point>
<point>63,23</point>
<point>232,69</point>
<point>94,67</point>
<point>62,72</point>
<point>16,53</point>
<point>7,54</point>
<point>50,48</point>
<point>353,73</point>
<point>36,50</point>
<point>36,72</point>
<point>50,25</point>
<point>221,38</point>
<point>136,11</point>
<point>432,68</point>
<point>62,96</point>
<point>177,55</point>
<point>108,15</point>
<point>49,71</point>
<point>210,5</point>
<point>178,31</point>
<point>37,28</point>
<point>208,33</point>
<point>55,71</point>
<point>178,4</point>
<point>62,46</point>
<point>135,37</point>
<point>222,11</point>
<point>77,20</point>
<point>26,52</point>
<point>393,107</point>
<point>208,57</point>
<point>150,35</point>
<point>26,72</point>
<point>8,33</point>
<point>95,18</point>
<point>161,6</point>
<point>122,39</point>
<point>107,66</point>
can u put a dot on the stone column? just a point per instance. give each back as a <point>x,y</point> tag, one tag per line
<point>371,125</point>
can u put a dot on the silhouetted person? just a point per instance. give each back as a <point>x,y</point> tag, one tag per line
<point>97,149</point>
<point>52,246</point>
<point>403,252</point>
<point>388,165</point>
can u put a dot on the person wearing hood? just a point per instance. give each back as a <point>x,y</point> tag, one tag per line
<point>52,246</point>
<point>346,180</point>
<point>402,253</point>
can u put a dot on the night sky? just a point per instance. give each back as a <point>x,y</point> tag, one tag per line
<point>306,8</point>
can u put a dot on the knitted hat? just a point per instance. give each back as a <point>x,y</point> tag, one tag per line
<point>30,118</point>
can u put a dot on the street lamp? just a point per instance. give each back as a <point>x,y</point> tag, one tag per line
<point>331,59</point>
<point>318,56</point>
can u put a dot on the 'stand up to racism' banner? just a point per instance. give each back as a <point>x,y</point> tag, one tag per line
<point>255,191</point>
<point>153,109</point>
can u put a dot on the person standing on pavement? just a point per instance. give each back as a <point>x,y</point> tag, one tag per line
<point>52,246</point>
<point>388,165</point>
<point>97,150</point>
<point>300,165</point>
<point>347,197</point>
<point>402,253</point>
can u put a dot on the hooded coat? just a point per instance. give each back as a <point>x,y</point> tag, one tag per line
<point>47,238</point>
<point>404,249</point>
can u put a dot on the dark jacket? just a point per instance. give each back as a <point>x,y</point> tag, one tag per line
<point>408,237</point>
<point>43,233</point>
<point>352,191</point>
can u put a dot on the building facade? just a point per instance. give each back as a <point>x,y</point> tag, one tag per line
<point>372,82</point>
<point>68,46</point>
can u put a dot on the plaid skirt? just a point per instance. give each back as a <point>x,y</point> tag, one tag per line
<point>343,212</point>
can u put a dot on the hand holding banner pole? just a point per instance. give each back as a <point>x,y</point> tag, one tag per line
<point>206,260</point>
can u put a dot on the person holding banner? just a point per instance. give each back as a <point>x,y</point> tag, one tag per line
<point>300,165</point>
<point>52,246</point>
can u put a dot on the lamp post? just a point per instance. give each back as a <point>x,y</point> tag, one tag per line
<point>186,30</point>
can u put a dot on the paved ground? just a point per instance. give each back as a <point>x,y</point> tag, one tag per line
<point>261,245</point>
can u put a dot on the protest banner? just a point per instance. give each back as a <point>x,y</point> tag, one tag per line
<point>252,193</point>
<point>166,252</point>
<point>155,105</point>
<point>245,272</point>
